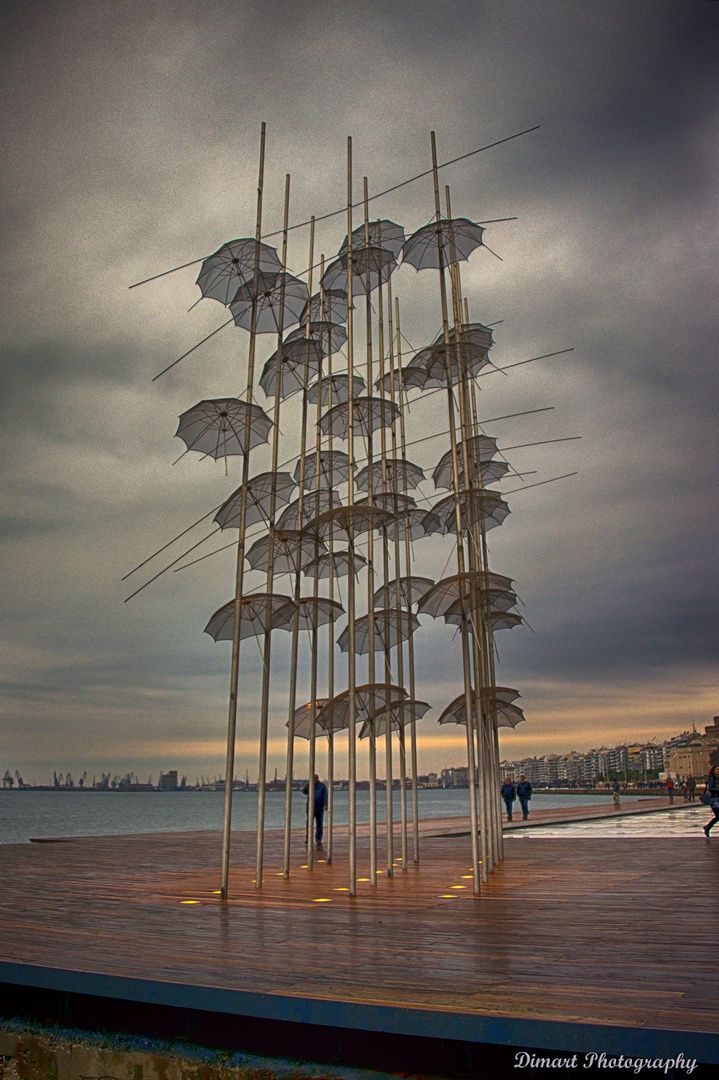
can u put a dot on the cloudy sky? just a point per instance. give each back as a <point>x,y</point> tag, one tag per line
<point>131,134</point>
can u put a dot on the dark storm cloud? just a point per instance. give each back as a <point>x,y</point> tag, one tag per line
<point>131,135</point>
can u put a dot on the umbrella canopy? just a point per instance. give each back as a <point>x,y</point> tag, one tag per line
<point>368,414</point>
<point>448,364</point>
<point>389,500</point>
<point>314,611</point>
<point>335,388</point>
<point>382,233</point>
<point>329,336</point>
<point>259,499</point>
<point>329,306</point>
<point>456,238</point>
<point>441,597</point>
<point>261,612</point>
<point>336,563</point>
<point>481,452</point>
<point>413,377</point>
<point>313,503</point>
<point>274,292</point>
<point>505,713</point>
<point>334,469</point>
<point>233,265</point>
<point>300,362</point>
<point>499,620</point>
<point>371,266</point>
<point>369,699</point>
<point>302,719</point>
<point>390,628</point>
<point>414,523</point>
<point>289,550</point>
<point>400,714</point>
<point>347,522</point>
<point>411,589</point>
<point>397,475</point>
<point>483,507</point>
<point>220,427</point>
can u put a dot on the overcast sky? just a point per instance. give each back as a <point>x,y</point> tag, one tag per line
<point>130,136</point>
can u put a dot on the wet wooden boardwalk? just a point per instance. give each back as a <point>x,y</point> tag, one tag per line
<point>577,931</point>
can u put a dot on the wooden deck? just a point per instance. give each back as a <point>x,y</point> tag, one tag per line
<point>587,939</point>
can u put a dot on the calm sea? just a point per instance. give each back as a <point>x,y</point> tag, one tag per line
<point>25,814</point>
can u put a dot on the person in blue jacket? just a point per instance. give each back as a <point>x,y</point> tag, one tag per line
<point>712,790</point>
<point>320,804</point>
<point>524,792</point>
<point>509,794</point>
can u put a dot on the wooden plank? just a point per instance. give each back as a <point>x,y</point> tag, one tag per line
<point>584,930</point>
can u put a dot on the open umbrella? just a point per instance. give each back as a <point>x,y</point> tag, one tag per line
<point>335,563</point>
<point>391,626</point>
<point>369,414</point>
<point>289,550</point>
<point>383,233</point>
<point>330,306</point>
<point>275,292</point>
<point>400,714</point>
<point>313,503</point>
<point>347,522</point>
<point>369,699</point>
<point>483,507</point>
<point>261,612</point>
<point>329,336</point>
<point>411,589</point>
<point>218,427</point>
<point>371,266</point>
<point>300,362</point>
<point>335,388</point>
<point>259,499</point>
<point>232,265</point>
<point>334,469</point>
<point>396,475</point>
<point>455,237</point>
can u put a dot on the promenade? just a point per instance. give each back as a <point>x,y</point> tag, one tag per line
<point>575,944</point>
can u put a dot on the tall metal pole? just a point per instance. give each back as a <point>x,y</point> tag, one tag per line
<point>466,662</point>
<point>239,573</point>
<point>289,764</point>
<point>408,566</point>
<point>351,668</point>
<point>267,645</point>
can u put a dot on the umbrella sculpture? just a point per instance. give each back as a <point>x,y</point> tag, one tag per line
<point>300,537</point>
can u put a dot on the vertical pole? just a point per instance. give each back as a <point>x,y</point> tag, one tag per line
<point>466,662</point>
<point>289,767</point>
<point>239,573</point>
<point>410,641</point>
<point>351,669</point>
<point>267,647</point>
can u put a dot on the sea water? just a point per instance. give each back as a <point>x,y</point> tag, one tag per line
<point>76,812</point>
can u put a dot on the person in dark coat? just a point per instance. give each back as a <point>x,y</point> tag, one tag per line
<point>319,808</point>
<point>524,793</point>
<point>509,794</point>
<point>713,790</point>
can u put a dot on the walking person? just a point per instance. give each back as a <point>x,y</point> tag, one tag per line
<point>615,795</point>
<point>669,785</point>
<point>524,793</point>
<point>320,802</point>
<point>691,788</point>
<point>712,790</point>
<point>509,794</point>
